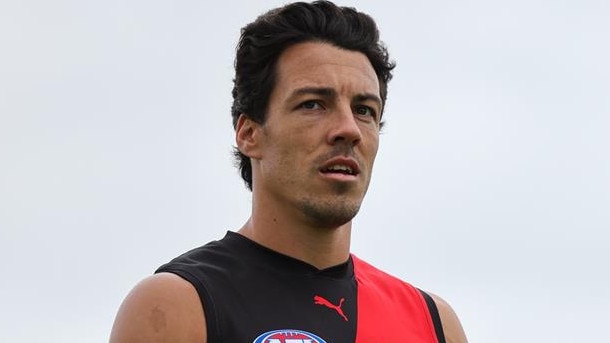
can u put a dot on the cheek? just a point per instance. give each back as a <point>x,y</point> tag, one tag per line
<point>290,151</point>
<point>373,143</point>
<point>302,141</point>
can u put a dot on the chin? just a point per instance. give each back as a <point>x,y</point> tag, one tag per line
<point>330,213</point>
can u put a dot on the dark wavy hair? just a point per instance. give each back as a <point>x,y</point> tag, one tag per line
<point>263,41</point>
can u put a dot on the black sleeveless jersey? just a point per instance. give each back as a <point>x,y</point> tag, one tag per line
<point>252,294</point>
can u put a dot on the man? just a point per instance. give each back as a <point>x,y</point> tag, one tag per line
<point>309,93</point>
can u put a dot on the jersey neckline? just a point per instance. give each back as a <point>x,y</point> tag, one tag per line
<point>271,259</point>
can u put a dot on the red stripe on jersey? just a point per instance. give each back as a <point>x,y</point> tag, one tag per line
<point>389,309</point>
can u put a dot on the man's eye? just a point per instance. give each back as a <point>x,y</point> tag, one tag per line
<point>311,105</point>
<point>365,111</point>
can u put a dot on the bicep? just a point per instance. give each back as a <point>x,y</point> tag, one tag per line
<point>161,308</point>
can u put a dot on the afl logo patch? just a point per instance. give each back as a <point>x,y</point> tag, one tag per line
<point>288,336</point>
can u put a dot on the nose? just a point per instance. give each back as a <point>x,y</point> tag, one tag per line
<point>344,128</point>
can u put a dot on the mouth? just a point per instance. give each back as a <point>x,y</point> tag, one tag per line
<point>340,167</point>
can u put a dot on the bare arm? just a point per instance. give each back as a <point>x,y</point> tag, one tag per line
<point>454,333</point>
<point>163,308</point>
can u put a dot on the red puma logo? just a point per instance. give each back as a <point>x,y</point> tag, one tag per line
<point>318,300</point>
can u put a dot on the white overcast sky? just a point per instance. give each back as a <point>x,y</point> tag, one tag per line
<point>491,187</point>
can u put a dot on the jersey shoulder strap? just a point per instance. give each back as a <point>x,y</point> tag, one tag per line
<point>436,318</point>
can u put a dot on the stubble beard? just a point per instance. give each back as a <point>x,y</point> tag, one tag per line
<point>330,213</point>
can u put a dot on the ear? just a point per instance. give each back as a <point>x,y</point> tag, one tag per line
<point>247,136</point>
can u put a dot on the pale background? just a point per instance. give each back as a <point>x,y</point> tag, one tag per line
<point>491,187</point>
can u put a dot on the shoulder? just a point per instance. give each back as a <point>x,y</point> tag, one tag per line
<point>161,308</point>
<point>454,333</point>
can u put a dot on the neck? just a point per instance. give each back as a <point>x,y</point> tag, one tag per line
<point>283,232</point>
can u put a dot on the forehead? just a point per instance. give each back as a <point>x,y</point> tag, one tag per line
<point>323,64</point>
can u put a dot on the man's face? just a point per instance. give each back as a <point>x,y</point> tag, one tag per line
<point>321,134</point>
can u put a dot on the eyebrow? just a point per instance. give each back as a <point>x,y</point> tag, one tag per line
<point>330,92</point>
<point>323,91</point>
<point>369,97</point>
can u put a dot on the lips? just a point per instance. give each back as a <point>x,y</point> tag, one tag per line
<point>340,165</point>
